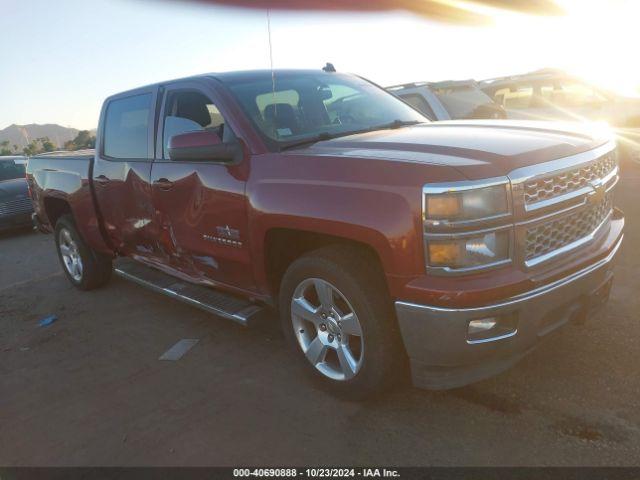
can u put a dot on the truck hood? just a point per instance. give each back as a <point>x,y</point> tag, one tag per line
<point>10,189</point>
<point>476,148</point>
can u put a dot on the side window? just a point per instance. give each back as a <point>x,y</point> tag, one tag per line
<point>126,130</point>
<point>419,103</point>
<point>191,111</point>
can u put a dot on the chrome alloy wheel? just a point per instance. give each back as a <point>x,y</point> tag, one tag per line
<point>327,329</point>
<point>70,254</point>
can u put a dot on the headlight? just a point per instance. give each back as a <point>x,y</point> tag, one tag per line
<point>467,225</point>
<point>463,203</point>
<point>468,252</point>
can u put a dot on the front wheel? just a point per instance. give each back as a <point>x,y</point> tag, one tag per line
<point>327,329</point>
<point>83,267</point>
<point>336,312</point>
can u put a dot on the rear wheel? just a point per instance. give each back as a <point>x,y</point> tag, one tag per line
<point>337,314</point>
<point>85,268</point>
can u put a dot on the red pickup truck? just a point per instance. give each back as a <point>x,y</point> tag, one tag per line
<point>385,241</point>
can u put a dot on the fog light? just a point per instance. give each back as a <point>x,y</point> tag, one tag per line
<point>490,329</point>
<point>482,325</point>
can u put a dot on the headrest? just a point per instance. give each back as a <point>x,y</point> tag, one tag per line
<point>192,106</point>
<point>279,112</point>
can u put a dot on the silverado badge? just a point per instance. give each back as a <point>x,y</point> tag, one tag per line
<point>225,236</point>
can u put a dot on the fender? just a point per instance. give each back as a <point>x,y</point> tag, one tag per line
<point>68,182</point>
<point>376,203</point>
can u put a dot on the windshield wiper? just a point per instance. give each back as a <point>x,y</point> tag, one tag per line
<point>328,136</point>
<point>394,124</point>
<point>305,141</point>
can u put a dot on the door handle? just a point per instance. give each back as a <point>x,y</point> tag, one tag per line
<point>163,184</point>
<point>101,180</point>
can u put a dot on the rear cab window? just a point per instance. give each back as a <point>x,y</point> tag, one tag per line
<point>126,129</point>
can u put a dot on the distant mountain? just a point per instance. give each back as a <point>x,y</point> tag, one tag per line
<point>21,135</point>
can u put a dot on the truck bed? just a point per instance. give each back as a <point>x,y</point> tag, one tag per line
<point>60,183</point>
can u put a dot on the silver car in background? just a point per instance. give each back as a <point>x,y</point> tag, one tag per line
<point>449,100</point>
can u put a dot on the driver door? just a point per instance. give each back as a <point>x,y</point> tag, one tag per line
<point>201,205</point>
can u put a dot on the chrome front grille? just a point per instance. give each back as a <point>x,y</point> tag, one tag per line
<point>16,205</point>
<point>552,237</point>
<point>546,188</point>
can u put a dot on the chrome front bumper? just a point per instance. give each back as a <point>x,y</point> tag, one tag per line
<point>436,338</point>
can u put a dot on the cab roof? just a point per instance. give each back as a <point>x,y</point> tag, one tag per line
<point>233,77</point>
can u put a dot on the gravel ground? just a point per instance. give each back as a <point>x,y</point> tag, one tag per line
<point>90,390</point>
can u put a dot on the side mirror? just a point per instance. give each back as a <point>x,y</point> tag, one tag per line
<point>202,146</point>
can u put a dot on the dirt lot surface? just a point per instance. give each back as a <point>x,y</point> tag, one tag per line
<point>90,390</point>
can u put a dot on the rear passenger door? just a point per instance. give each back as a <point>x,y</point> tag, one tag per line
<point>122,170</point>
<point>201,204</point>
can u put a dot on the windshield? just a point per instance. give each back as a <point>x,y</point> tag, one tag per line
<point>462,102</point>
<point>11,169</point>
<point>305,105</point>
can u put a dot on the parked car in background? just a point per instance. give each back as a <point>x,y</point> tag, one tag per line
<point>551,94</point>
<point>15,205</point>
<point>450,100</point>
<point>379,236</point>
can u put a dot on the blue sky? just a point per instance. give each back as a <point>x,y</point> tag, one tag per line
<point>61,58</point>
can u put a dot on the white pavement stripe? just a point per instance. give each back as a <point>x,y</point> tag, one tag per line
<point>179,349</point>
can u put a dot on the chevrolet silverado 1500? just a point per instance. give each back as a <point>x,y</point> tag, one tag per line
<point>384,241</point>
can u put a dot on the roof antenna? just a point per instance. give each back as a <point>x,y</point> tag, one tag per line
<point>329,68</point>
<point>273,76</point>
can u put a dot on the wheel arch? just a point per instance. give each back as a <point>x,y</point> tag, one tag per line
<point>282,246</point>
<point>54,208</point>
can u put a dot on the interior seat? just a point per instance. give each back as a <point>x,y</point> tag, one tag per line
<point>282,116</point>
<point>193,106</point>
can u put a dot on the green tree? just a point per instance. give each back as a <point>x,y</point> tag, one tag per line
<point>84,139</point>
<point>4,148</point>
<point>39,145</point>
<point>47,145</point>
<point>32,148</point>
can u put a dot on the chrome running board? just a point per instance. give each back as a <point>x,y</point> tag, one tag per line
<point>219,303</point>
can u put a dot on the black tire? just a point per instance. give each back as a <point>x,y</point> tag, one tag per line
<point>96,268</point>
<point>360,280</point>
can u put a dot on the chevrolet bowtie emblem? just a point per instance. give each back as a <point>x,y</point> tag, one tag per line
<point>599,191</point>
